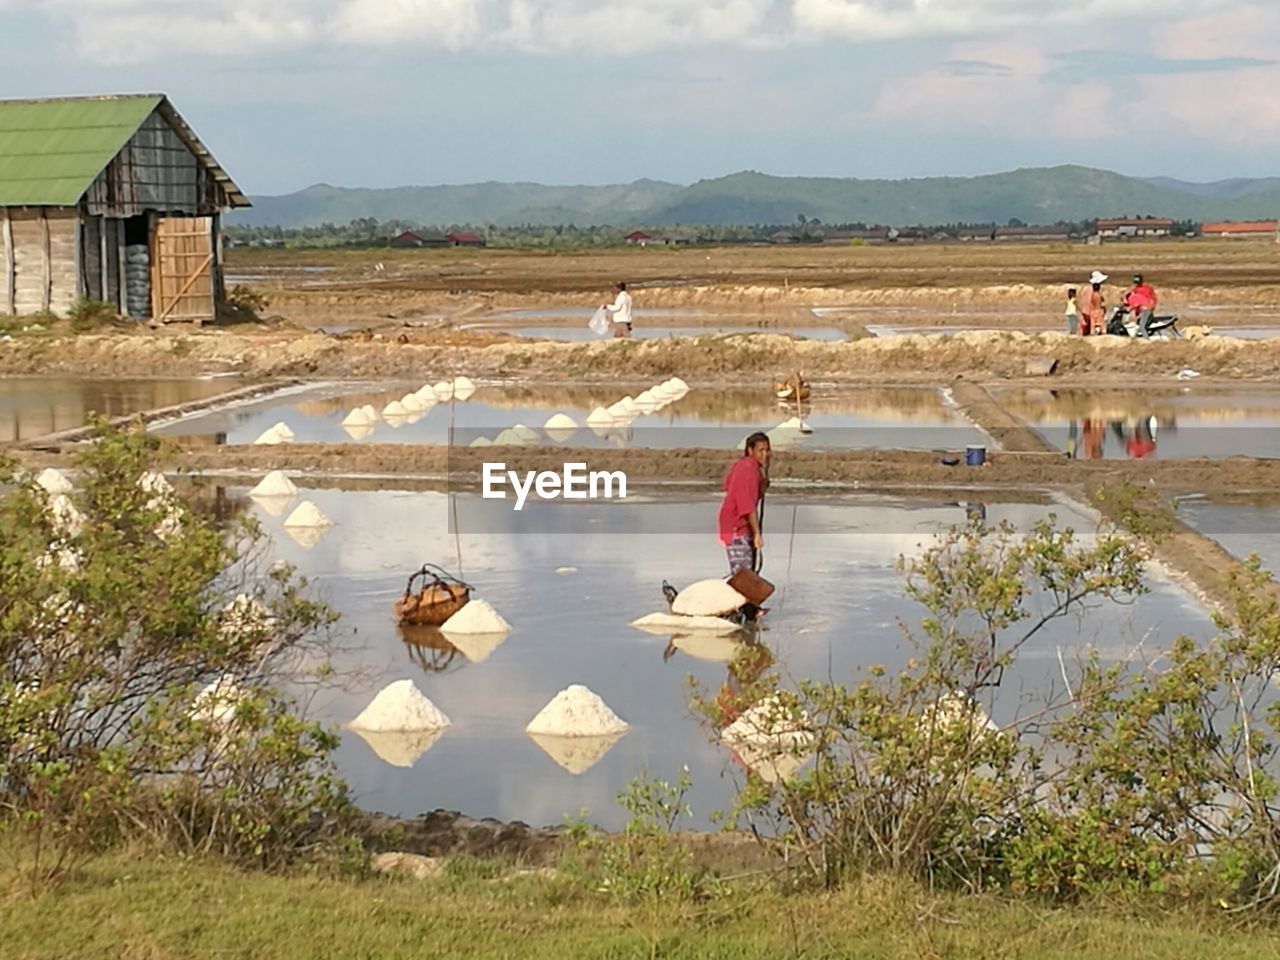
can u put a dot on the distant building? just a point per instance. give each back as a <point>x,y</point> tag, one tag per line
<point>873,235</point>
<point>113,199</point>
<point>976,234</point>
<point>464,239</point>
<point>1259,230</point>
<point>638,238</point>
<point>1032,234</point>
<point>411,239</point>
<point>783,236</point>
<point>1137,227</point>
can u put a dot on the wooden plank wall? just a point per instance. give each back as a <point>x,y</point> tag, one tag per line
<point>41,244</point>
<point>154,171</point>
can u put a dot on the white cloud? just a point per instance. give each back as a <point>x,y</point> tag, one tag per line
<point>123,30</point>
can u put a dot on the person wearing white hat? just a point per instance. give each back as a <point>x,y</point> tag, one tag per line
<point>1091,305</point>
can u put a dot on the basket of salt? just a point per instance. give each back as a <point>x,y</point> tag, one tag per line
<point>431,597</point>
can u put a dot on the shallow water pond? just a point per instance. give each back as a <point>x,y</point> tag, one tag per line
<point>1241,528</point>
<point>870,418</point>
<point>1167,422</point>
<point>646,331</point>
<point>571,596</point>
<point>33,407</point>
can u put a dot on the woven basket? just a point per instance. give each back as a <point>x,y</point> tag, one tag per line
<point>431,597</point>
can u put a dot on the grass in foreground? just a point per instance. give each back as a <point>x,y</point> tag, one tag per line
<point>149,908</point>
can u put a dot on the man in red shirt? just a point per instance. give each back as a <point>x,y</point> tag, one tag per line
<point>1141,301</point>
<point>739,521</point>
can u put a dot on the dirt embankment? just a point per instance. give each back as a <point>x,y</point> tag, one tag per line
<point>706,359</point>
<point>409,465</point>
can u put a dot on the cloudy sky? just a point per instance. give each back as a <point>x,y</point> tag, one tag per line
<point>391,92</point>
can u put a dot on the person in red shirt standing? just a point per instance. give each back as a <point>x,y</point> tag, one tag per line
<point>1141,301</point>
<point>739,520</point>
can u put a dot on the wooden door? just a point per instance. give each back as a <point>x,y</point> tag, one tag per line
<point>182,269</point>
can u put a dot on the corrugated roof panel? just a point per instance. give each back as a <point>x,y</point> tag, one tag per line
<point>51,150</point>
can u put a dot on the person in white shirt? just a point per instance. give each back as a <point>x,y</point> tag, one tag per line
<point>620,311</point>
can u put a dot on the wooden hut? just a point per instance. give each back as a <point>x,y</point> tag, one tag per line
<point>112,199</point>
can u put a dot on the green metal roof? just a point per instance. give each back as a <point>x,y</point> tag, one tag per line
<point>51,151</point>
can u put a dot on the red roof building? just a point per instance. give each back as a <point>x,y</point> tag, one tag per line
<point>464,239</point>
<point>1258,230</point>
<point>638,238</point>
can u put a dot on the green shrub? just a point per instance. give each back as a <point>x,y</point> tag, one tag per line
<point>119,605</point>
<point>87,315</point>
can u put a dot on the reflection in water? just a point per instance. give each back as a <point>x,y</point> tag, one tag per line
<point>429,648</point>
<point>400,748</point>
<point>37,406</point>
<point>856,418</point>
<point>576,754</point>
<point>1142,424</point>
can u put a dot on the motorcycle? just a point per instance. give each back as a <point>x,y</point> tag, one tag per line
<point>1124,324</point>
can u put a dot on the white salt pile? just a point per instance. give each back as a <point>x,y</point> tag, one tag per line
<point>54,481</point>
<point>426,396</point>
<point>621,414</point>
<point>67,519</point>
<point>276,433</point>
<point>560,421</point>
<point>308,515</point>
<point>481,442</point>
<point>678,384</point>
<point>508,438</point>
<point>575,754</point>
<point>707,598</point>
<point>561,571</point>
<point>411,403</point>
<point>772,724</point>
<point>153,481</point>
<point>358,417</point>
<point>245,615</point>
<point>462,388</point>
<point>371,412</point>
<point>68,559</point>
<point>443,390</point>
<point>792,424</point>
<point>524,433</point>
<point>274,484</point>
<point>400,748</point>
<point>394,409</point>
<point>400,706</point>
<point>477,616</point>
<point>358,431</point>
<point>600,417</point>
<point>576,712</point>
<point>953,712</point>
<point>668,622</point>
<point>217,702</point>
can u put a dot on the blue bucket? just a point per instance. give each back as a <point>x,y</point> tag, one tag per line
<point>975,455</point>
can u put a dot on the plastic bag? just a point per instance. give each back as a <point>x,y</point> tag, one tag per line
<point>599,322</point>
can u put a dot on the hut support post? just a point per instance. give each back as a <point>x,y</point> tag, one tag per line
<point>10,276</point>
<point>46,288</point>
<point>123,268</point>
<point>102,259</point>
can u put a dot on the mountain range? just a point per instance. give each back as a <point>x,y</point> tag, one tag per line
<point>1036,195</point>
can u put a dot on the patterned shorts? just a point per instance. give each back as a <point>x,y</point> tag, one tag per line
<point>742,554</point>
